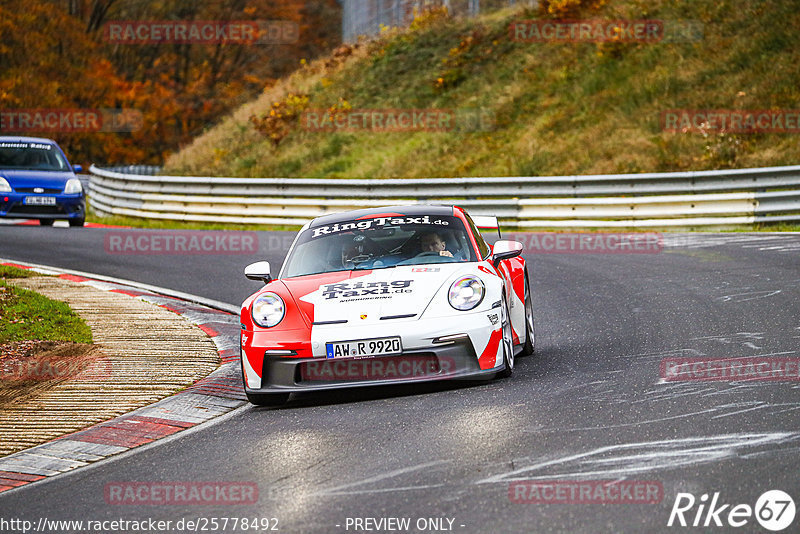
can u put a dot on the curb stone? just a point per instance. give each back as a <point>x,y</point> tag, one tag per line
<point>208,398</point>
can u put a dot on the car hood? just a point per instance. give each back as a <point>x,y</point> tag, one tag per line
<point>364,297</point>
<point>28,178</point>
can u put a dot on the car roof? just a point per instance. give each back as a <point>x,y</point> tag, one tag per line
<point>21,139</point>
<point>408,210</point>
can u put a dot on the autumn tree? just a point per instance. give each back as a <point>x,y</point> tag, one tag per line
<point>55,55</point>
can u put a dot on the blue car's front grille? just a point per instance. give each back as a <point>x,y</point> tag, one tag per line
<point>20,209</point>
<point>47,190</point>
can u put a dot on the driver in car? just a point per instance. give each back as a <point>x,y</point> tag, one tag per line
<point>356,250</point>
<point>433,242</point>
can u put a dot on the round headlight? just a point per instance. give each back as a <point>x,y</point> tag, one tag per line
<point>73,186</point>
<point>268,310</point>
<point>466,293</point>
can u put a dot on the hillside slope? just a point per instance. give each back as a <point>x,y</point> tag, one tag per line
<point>559,108</point>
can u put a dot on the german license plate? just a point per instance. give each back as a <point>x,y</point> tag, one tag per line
<point>364,348</point>
<point>40,201</point>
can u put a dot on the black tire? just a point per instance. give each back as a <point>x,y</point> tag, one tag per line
<point>530,337</point>
<point>77,222</point>
<point>507,341</point>
<point>267,399</point>
<point>46,222</point>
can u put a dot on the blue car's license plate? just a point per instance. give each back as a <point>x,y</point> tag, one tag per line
<point>40,201</point>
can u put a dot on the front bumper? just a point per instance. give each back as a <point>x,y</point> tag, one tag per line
<point>12,206</point>
<point>452,360</point>
<point>445,347</point>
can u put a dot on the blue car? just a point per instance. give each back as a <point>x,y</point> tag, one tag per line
<point>37,182</point>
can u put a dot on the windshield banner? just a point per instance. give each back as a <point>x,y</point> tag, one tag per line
<point>377,221</point>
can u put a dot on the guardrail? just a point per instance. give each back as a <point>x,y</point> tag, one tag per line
<point>366,17</point>
<point>149,170</point>
<point>678,199</point>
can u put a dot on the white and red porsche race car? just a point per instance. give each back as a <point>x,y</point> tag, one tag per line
<point>385,296</point>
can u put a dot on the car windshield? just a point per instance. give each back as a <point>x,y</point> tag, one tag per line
<point>31,156</point>
<point>379,243</point>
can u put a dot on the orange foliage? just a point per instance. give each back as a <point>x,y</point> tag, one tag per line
<point>568,8</point>
<point>54,58</point>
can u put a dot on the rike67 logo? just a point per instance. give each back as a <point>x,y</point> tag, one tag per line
<point>774,510</point>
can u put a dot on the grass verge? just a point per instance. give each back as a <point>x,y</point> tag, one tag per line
<point>27,315</point>
<point>7,271</point>
<point>558,108</point>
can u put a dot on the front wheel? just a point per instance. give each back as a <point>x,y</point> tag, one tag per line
<point>507,341</point>
<point>77,222</point>
<point>268,399</point>
<point>46,222</point>
<point>530,339</point>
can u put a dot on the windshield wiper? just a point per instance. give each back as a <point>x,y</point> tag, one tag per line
<point>364,267</point>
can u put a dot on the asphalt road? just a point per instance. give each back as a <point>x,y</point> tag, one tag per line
<point>589,405</point>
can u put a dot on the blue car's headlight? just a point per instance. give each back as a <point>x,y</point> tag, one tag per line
<point>466,293</point>
<point>4,186</point>
<point>73,186</point>
<point>268,310</point>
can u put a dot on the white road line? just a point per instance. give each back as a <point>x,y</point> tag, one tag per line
<point>650,456</point>
<point>211,303</point>
<point>131,452</point>
<point>383,476</point>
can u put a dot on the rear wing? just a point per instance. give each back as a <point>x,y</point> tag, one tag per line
<point>486,222</point>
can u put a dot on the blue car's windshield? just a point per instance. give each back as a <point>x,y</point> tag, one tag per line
<point>23,155</point>
<point>379,243</point>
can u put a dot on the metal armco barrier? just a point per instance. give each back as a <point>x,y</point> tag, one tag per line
<point>679,199</point>
<point>150,170</point>
<point>366,17</point>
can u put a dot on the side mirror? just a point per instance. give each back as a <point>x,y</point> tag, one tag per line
<point>504,250</point>
<point>258,271</point>
<point>77,168</point>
